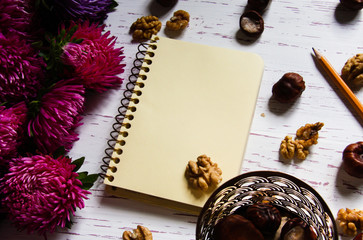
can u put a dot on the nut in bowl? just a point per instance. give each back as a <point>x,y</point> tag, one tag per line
<point>292,197</point>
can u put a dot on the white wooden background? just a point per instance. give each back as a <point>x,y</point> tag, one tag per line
<point>292,28</point>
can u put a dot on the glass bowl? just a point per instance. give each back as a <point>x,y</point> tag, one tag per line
<point>284,191</point>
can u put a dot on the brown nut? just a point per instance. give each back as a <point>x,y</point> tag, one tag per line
<point>251,23</point>
<point>258,5</point>
<point>265,217</point>
<point>352,72</point>
<point>288,88</point>
<point>297,229</point>
<point>166,3</point>
<point>178,21</point>
<point>352,4</point>
<point>353,159</point>
<point>236,227</point>
<point>359,237</point>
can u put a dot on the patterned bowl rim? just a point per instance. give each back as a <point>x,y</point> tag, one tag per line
<point>212,201</point>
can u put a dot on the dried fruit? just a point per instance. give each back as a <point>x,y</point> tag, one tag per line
<point>352,72</point>
<point>352,4</point>
<point>258,5</point>
<point>251,23</point>
<point>265,217</point>
<point>236,227</point>
<point>297,229</point>
<point>353,159</point>
<point>288,88</point>
<point>179,21</point>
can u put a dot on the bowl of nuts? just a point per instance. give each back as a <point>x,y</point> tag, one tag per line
<point>265,205</point>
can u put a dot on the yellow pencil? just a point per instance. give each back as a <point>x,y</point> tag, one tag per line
<point>339,82</point>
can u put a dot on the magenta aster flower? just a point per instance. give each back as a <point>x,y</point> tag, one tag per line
<point>21,70</point>
<point>41,193</point>
<point>95,61</point>
<point>12,121</point>
<point>14,16</point>
<point>57,117</point>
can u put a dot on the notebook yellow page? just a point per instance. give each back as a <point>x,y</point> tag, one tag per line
<point>196,99</point>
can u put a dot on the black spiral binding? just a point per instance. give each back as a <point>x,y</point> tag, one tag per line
<point>127,98</point>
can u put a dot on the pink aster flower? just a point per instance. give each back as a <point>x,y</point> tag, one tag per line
<point>21,70</point>
<point>14,16</point>
<point>58,116</point>
<point>41,193</point>
<point>96,63</point>
<point>12,121</point>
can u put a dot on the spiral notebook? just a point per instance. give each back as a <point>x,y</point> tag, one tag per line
<point>185,100</point>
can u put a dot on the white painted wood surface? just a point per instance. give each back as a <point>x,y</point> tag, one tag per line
<point>292,28</point>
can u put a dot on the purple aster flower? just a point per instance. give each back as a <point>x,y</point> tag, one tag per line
<point>58,116</point>
<point>14,16</point>
<point>41,193</point>
<point>21,70</point>
<point>12,121</point>
<point>95,61</point>
<point>92,10</point>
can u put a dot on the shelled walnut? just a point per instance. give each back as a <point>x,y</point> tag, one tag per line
<point>145,27</point>
<point>350,221</point>
<point>140,233</point>
<point>352,72</point>
<point>179,21</point>
<point>203,173</point>
<point>306,136</point>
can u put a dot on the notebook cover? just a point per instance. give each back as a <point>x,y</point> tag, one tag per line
<point>196,99</point>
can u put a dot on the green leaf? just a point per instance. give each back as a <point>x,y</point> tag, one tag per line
<point>87,186</point>
<point>91,178</point>
<point>87,180</point>
<point>77,40</point>
<point>78,162</point>
<point>82,175</point>
<point>59,152</point>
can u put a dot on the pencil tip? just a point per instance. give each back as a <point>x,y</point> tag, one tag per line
<point>317,54</point>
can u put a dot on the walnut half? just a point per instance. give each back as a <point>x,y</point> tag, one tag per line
<point>140,233</point>
<point>179,21</point>
<point>145,27</point>
<point>306,136</point>
<point>203,173</point>
<point>350,221</point>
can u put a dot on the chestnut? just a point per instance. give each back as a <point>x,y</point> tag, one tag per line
<point>297,229</point>
<point>353,159</point>
<point>258,5</point>
<point>352,4</point>
<point>265,217</point>
<point>358,237</point>
<point>236,227</point>
<point>166,3</point>
<point>251,23</point>
<point>288,88</point>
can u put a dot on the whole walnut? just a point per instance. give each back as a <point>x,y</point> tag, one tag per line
<point>288,88</point>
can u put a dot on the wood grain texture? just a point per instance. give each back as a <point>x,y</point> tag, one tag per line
<point>292,28</point>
